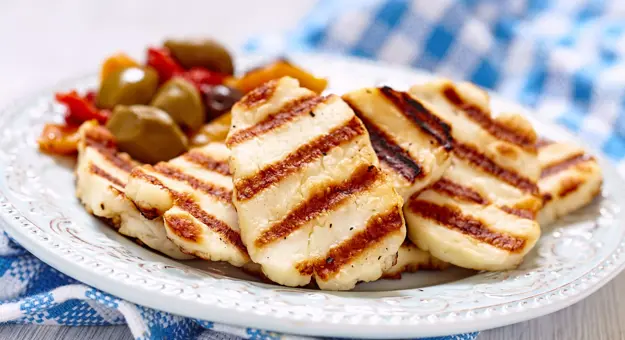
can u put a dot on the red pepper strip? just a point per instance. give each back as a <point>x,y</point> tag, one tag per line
<point>80,109</point>
<point>200,76</point>
<point>166,66</point>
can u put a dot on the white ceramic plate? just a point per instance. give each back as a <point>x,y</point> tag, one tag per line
<point>572,259</point>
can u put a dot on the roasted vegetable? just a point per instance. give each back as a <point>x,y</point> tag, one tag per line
<point>182,101</point>
<point>80,109</point>
<point>276,70</point>
<point>215,131</point>
<point>160,59</point>
<point>59,139</point>
<point>146,133</point>
<point>116,63</point>
<point>204,53</point>
<point>128,86</point>
<point>219,99</point>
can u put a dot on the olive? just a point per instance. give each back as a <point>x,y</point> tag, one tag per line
<point>205,53</point>
<point>182,100</point>
<point>127,86</point>
<point>219,99</point>
<point>146,133</point>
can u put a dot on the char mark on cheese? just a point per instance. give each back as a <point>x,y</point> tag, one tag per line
<point>325,199</point>
<point>478,159</point>
<point>287,113</point>
<point>213,223</point>
<point>389,152</point>
<point>425,120</point>
<point>183,227</point>
<point>458,191</point>
<point>259,95</point>
<point>453,218</point>
<point>207,162</point>
<point>564,164</point>
<point>543,142</point>
<point>96,170</point>
<point>377,229</point>
<point>197,184</point>
<point>569,186</point>
<point>112,156</point>
<point>484,120</point>
<point>250,186</point>
<point>464,193</point>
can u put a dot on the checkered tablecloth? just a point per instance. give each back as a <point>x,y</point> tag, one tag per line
<point>563,58</point>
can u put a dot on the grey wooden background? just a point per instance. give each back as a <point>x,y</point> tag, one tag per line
<point>62,29</point>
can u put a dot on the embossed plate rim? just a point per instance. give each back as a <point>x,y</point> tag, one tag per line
<point>348,317</point>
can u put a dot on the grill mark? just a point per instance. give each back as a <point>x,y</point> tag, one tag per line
<point>464,193</point>
<point>150,213</point>
<point>427,122</point>
<point>234,238</point>
<point>197,184</point>
<point>250,186</point>
<point>288,112</point>
<point>259,95</point>
<point>461,192</point>
<point>207,162</point>
<point>569,186</point>
<point>480,160</point>
<point>326,199</point>
<point>111,155</point>
<point>483,119</point>
<point>468,225</point>
<point>389,152</point>
<point>182,227</point>
<point>543,142</point>
<point>377,229</point>
<point>564,164</point>
<point>547,197</point>
<point>96,170</point>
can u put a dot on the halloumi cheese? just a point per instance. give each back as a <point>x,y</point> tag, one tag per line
<point>413,145</point>
<point>411,259</point>
<point>193,193</point>
<point>569,180</point>
<point>101,175</point>
<point>481,213</point>
<point>311,199</point>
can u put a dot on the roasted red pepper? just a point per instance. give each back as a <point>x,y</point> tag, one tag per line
<point>200,76</point>
<point>165,65</point>
<point>81,109</point>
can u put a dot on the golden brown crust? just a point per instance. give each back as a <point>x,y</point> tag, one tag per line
<point>498,130</point>
<point>183,227</point>
<point>453,218</point>
<point>417,113</point>
<point>211,189</point>
<point>323,200</point>
<point>207,162</point>
<point>248,187</point>
<point>389,152</point>
<point>259,95</point>
<point>564,164</point>
<point>96,170</point>
<point>288,112</point>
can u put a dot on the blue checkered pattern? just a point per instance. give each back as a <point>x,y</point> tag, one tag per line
<point>563,58</point>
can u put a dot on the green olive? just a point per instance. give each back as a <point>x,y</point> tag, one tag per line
<point>128,86</point>
<point>146,133</point>
<point>201,53</point>
<point>182,100</point>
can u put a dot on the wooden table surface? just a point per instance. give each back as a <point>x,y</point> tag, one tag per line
<point>73,36</point>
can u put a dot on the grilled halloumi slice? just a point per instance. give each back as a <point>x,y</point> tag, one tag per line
<point>311,199</point>
<point>411,153</point>
<point>481,213</point>
<point>569,180</point>
<point>101,175</point>
<point>193,194</point>
<point>411,259</point>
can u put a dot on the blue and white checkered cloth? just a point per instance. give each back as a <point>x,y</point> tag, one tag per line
<point>565,59</point>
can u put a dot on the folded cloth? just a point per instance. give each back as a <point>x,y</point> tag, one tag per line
<point>564,58</point>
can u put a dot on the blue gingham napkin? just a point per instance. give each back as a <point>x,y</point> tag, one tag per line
<point>563,58</point>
